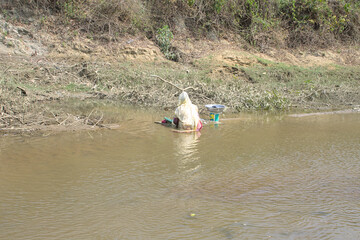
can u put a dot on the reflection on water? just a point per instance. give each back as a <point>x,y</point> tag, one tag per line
<point>188,168</point>
<point>251,178</point>
<point>186,144</point>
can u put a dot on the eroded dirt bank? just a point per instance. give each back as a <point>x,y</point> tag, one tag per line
<point>41,70</point>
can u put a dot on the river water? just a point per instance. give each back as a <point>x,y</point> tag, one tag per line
<point>254,177</point>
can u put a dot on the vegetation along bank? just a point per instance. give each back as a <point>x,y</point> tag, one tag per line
<point>250,55</point>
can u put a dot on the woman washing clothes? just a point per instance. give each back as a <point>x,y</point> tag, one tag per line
<point>187,116</point>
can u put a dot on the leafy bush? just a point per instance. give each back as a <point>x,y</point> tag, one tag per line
<point>163,38</point>
<point>326,20</point>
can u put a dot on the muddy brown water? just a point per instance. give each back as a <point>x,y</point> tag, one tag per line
<point>256,177</point>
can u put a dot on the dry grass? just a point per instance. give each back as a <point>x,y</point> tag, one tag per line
<point>30,89</point>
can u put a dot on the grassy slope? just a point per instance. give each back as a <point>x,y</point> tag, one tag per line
<point>261,85</point>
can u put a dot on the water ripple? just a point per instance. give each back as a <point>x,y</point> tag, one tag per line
<point>252,178</point>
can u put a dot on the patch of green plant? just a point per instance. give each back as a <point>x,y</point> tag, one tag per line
<point>191,2</point>
<point>72,87</point>
<point>218,5</point>
<point>5,33</point>
<point>72,9</point>
<point>164,37</point>
<point>323,15</point>
<point>6,14</point>
<point>264,62</point>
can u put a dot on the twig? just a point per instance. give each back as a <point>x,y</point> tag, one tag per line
<point>77,78</point>
<point>16,129</point>
<point>167,82</point>
<point>87,119</point>
<point>102,115</point>
<point>64,120</point>
<point>203,96</point>
<point>55,117</point>
<point>90,135</point>
<point>23,92</point>
<point>14,117</point>
<point>48,71</point>
<point>38,122</point>
<point>6,69</point>
<point>75,122</point>
<point>8,116</point>
<point>182,89</point>
<point>189,88</point>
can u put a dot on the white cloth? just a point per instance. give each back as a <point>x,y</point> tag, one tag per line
<point>187,112</point>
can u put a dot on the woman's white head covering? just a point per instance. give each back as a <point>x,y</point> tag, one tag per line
<point>184,98</point>
<point>187,112</point>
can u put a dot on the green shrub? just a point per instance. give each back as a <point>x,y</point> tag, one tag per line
<point>164,37</point>
<point>339,19</point>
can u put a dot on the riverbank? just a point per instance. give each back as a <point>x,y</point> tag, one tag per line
<point>41,71</point>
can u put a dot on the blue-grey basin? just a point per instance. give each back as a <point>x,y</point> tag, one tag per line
<point>215,108</point>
